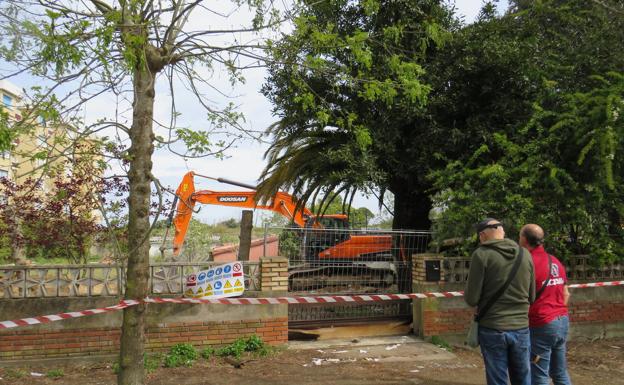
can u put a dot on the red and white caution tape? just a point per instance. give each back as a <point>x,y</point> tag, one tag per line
<point>261,301</point>
<point>58,317</point>
<point>307,299</point>
<point>595,284</point>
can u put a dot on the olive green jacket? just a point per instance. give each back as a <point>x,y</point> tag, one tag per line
<point>490,266</point>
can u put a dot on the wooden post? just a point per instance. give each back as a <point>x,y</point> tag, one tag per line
<point>245,235</point>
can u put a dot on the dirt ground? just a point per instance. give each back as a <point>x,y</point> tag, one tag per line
<point>350,363</point>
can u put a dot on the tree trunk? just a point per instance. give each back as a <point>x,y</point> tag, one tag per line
<point>244,244</point>
<point>133,328</point>
<point>411,212</point>
<point>411,208</point>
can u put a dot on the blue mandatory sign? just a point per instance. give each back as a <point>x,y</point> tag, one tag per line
<point>227,269</point>
<point>201,276</point>
<point>218,285</point>
<point>210,273</point>
<point>219,270</point>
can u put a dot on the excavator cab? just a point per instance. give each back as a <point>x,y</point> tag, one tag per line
<point>329,221</point>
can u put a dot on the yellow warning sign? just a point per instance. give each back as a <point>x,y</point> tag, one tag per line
<point>189,293</point>
<point>208,287</point>
<point>238,283</point>
<point>228,285</point>
<point>200,291</point>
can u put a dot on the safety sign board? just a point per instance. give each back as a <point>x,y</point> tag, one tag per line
<point>217,282</point>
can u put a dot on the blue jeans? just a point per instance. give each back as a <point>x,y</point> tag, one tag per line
<point>548,353</point>
<point>506,354</point>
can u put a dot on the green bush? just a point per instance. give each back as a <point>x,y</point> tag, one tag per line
<point>152,363</point>
<point>253,344</point>
<point>181,355</point>
<point>55,373</point>
<point>14,373</point>
<point>208,352</point>
<point>439,341</point>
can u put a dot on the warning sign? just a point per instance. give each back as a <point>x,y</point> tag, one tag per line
<point>217,282</point>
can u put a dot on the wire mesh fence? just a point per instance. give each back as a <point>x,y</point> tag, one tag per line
<point>343,261</point>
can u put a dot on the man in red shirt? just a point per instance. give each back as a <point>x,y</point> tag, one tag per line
<point>548,315</point>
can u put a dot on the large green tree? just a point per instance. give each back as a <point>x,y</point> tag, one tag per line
<point>346,85</point>
<point>81,49</point>
<point>545,148</point>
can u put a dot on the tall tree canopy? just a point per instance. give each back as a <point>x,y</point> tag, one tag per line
<point>518,114</point>
<point>545,149</point>
<point>346,84</point>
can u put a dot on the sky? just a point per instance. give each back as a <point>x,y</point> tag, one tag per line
<point>242,163</point>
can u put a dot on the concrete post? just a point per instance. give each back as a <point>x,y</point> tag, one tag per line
<point>245,235</point>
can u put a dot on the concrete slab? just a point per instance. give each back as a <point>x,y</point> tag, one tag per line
<point>375,349</point>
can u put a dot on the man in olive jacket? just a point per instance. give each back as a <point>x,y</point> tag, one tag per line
<point>504,330</point>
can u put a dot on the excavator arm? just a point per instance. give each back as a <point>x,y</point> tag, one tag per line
<point>187,197</point>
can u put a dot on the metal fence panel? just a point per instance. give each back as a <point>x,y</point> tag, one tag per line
<point>341,261</point>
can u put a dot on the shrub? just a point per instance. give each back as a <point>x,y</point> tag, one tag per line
<point>439,341</point>
<point>152,363</point>
<point>181,355</point>
<point>236,349</point>
<point>55,373</point>
<point>208,352</point>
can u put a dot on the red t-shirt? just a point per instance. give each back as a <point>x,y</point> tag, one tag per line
<point>550,304</point>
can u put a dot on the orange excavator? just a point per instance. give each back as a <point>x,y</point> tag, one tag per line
<point>326,241</point>
<point>321,245</point>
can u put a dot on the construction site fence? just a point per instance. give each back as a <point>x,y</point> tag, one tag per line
<point>347,261</point>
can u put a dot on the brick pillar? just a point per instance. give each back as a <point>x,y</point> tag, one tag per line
<point>274,274</point>
<point>419,271</point>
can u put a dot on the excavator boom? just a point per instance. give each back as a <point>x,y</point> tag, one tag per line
<point>187,197</point>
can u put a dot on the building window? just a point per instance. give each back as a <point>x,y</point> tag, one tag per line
<point>7,100</point>
<point>4,174</point>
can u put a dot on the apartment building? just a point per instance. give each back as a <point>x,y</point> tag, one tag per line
<point>10,101</point>
<point>18,164</point>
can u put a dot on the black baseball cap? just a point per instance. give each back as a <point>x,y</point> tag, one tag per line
<point>484,224</point>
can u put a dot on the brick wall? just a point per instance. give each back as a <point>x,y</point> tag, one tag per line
<point>594,313</point>
<point>273,332</point>
<point>258,248</point>
<point>168,324</point>
<point>24,344</point>
<point>597,312</point>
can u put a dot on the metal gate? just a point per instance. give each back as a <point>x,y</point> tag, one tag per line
<point>350,262</point>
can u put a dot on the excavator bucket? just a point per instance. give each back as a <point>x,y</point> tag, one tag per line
<point>184,211</point>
